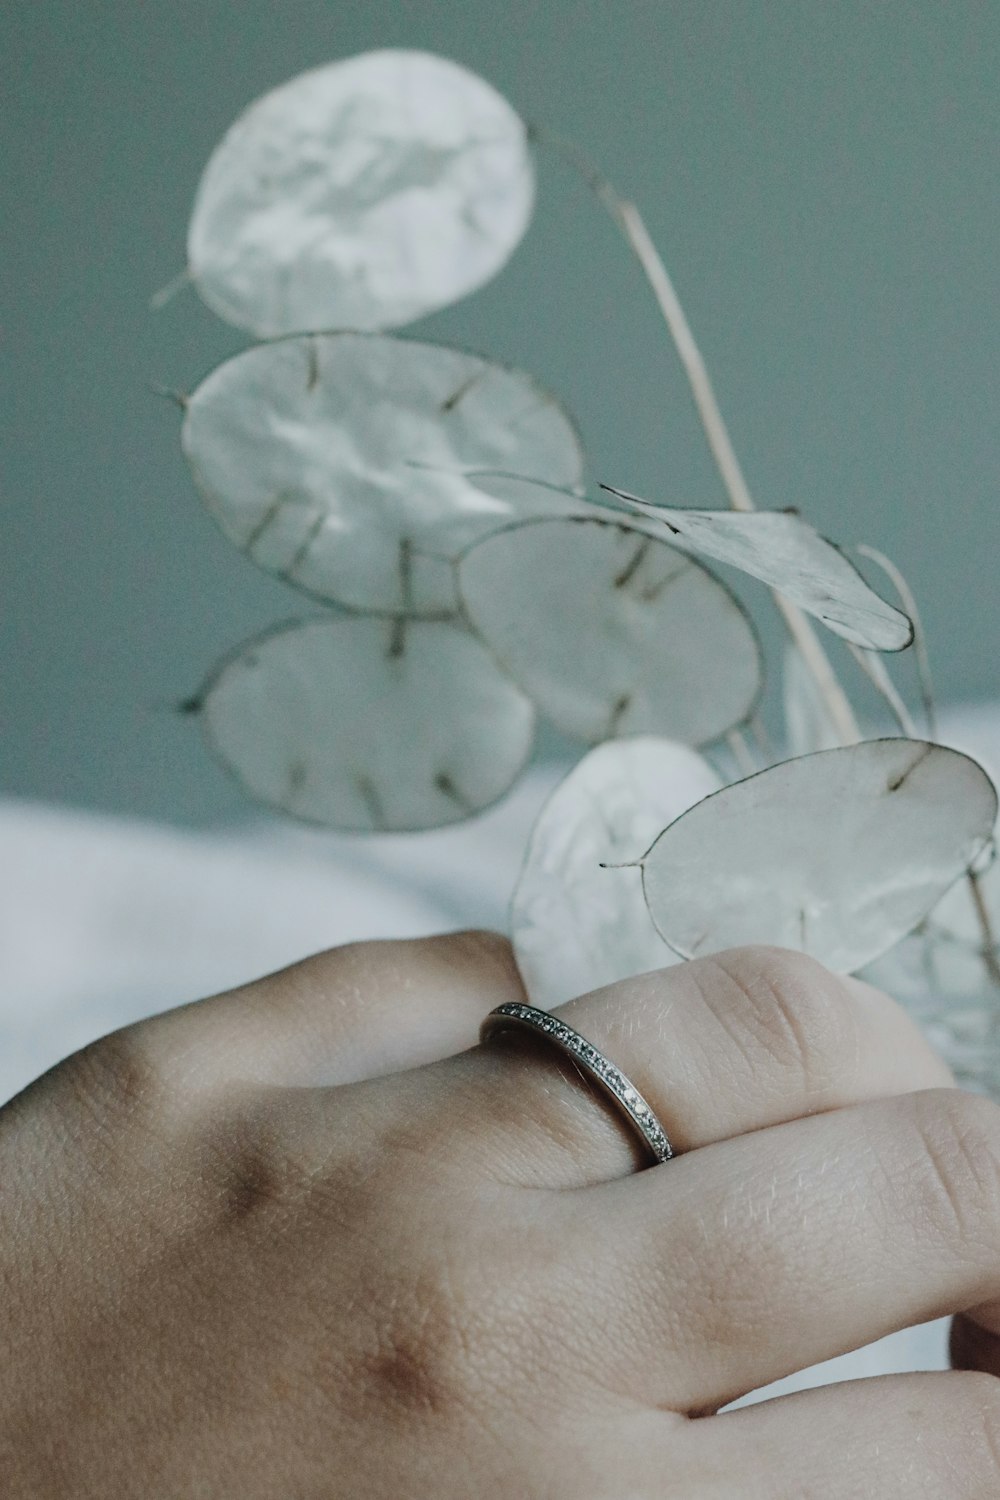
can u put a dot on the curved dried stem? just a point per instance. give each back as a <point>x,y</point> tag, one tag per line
<point>877,673</point>
<point>167,293</point>
<point>990,958</point>
<point>629,220</point>
<point>744,757</point>
<point>762,740</point>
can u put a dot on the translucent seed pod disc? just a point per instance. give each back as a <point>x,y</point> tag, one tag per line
<point>838,854</point>
<point>363,194</point>
<point>337,461</point>
<point>577,921</point>
<point>369,725</point>
<point>612,632</point>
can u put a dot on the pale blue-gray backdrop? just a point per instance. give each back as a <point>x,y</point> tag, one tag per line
<point>822,178</point>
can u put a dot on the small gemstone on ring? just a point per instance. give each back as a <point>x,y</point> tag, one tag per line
<point>612,1078</point>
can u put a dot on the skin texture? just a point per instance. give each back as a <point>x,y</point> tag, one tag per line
<point>307,1239</point>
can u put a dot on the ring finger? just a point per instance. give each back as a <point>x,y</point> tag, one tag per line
<point>717,1047</point>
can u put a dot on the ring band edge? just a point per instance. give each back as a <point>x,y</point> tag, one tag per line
<point>591,1062</point>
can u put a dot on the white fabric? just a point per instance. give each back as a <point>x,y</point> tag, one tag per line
<point>105,919</point>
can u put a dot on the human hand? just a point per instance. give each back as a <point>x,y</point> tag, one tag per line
<point>306,1239</point>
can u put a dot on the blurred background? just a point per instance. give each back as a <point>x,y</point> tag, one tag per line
<point>821,178</point>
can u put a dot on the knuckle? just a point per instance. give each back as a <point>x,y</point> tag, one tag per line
<point>418,1334</point>
<point>791,1008</point>
<point>959,1136</point>
<point>350,1159</point>
<point>110,1104</point>
<point>472,956</point>
<point>268,1157</point>
<point>448,1322</point>
<point>116,1082</point>
<point>491,949</point>
<point>256,1176</point>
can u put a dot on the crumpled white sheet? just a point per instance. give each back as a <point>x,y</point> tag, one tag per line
<point>106,919</point>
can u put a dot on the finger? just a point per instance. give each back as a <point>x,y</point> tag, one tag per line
<point>718,1046</point>
<point>771,1252</point>
<point>347,1014</point>
<point>900,1437</point>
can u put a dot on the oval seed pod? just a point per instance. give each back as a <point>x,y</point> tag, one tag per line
<point>611,632</point>
<point>363,194</point>
<point>838,854</point>
<point>336,461</point>
<point>369,725</point>
<point>575,924</point>
<point>790,556</point>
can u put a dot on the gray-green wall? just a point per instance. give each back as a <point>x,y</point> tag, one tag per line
<point>822,175</point>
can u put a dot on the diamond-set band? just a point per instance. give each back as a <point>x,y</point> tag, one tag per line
<point>611,1079</point>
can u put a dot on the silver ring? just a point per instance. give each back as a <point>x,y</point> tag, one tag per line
<point>588,1058</point>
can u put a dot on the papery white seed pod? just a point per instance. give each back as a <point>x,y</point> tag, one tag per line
<point>785,552</point>
<point>612,633</point>
<point>369,725</point>
<point>337,461</point>
<point>363,194</point>
<point>838,854</point>
<point>575,924</point>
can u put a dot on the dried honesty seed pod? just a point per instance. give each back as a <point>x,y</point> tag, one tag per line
<point>786,553</point>
<point>335,461</point>
<point>369,725</point>
<point>610,632</point>
<point>362,194</point>
<point>838,854</point>
<point>576,925</point>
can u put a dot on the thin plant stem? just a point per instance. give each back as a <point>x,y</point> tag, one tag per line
<point>169,292</point>
<point>875,670</point>
<point>180,398</point>
<point>635,231</point>
<point>909,604</point>
<point>762,739</point>
<point>742,754</point>
<point>632,225</point>
<point>990,958</point>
